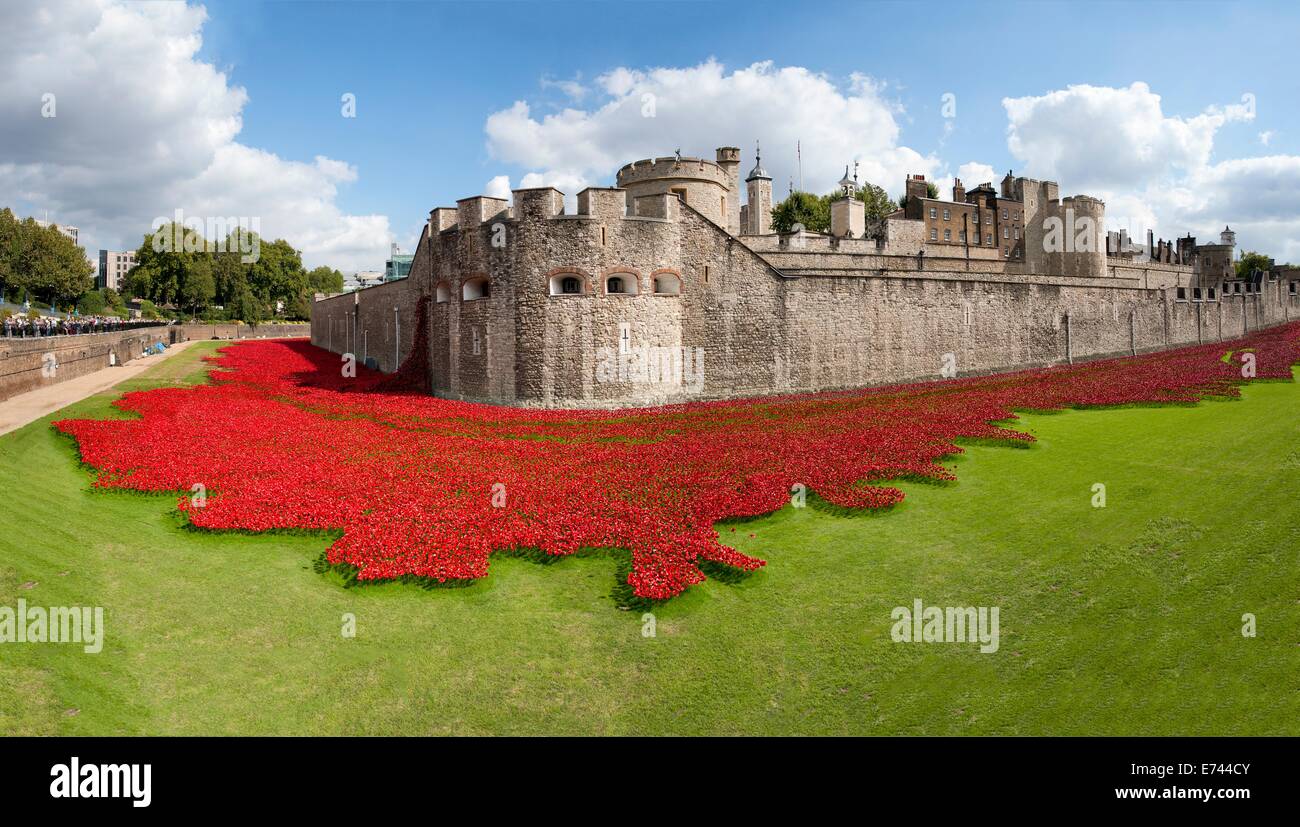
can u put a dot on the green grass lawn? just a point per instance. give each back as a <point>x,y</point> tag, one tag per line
<point>1117,620</point>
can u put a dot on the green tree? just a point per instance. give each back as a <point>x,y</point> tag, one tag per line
<point>324,280</point>
<point>92,303</point>
<point>199,288</point>
<point>877,201</point>
<point>247,307</point>
<point>174,268</point>
<point>277,276</point>
<point>50,265</point>
<point>113,301</point>
<point>10,246</point>
<point>1250,262</point>
<point>229,275</point>
<point>812,212</point>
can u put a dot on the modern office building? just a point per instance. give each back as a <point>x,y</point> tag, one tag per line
<point>398,265</point>
<point>113,267</point>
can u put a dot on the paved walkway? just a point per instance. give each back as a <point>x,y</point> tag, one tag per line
<point>17,411</point>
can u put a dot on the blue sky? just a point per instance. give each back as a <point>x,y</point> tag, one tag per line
<point>429,76</point>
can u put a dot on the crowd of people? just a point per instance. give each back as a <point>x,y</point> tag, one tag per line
<point>17,327</point>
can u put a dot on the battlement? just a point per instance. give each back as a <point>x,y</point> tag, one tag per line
<point>671,167</point>
<point>538,202</point>
<point>606,203</point>
<point>1084,203</point>
<point>481,209</point>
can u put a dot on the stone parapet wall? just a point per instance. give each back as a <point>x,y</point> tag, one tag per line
<point>364,323</point>
<point>754,316</point>
<point>272,330</point>
<point>27,364</point>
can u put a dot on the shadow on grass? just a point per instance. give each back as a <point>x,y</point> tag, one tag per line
<point>621,593</point>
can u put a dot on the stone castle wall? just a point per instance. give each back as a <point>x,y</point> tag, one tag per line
<point>760,318</point>
<point>369,329</point>
<point>22,360</point>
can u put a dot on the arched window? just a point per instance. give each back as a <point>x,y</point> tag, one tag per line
<point>667,284</point>
<point>476,288</point>
<point>442,293</point>
<point>621,284</point>
<point>567,284</point>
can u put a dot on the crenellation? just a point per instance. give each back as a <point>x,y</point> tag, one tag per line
<point>537,203</point>
<point>528,305</point>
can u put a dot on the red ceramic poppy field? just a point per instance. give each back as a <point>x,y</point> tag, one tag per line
<point>428,487</point>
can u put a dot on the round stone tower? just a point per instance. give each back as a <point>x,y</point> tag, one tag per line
<point>704,185</point>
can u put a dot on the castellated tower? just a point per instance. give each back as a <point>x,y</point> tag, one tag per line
<point>710,188</point>
<point>729,161</point>
<point>1063,237</point>
<point>758,185</point>
<point>1084,220</point>
<point>1040,199</point>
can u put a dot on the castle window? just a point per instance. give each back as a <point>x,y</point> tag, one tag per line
<point>1006,252</point>
<point>988,239</point>
<point>474,289</point>
<point>946,215</point>
<point>621,284</point>
<point>1182,294</point>
<point>1292,287</point>
<point>947,235</point>
<point>667,284</point>
<point>934,234</point>
<point>442,293</point>
<point>1017,232</point>
<point>1212,295</point>
<point>602,236</point>
<point>1017,252</point>
<point>680,192</point>
<point>934,212</point>
<point>1004,213</point>
<point>1006,233</point>
<point>961,236</point>
<point>566,284</point>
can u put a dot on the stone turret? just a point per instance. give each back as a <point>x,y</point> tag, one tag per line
<point>704,185</point>
<point>729,161</point>
<point>758,185</point>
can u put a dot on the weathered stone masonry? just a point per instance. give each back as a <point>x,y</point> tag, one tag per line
<point>765,314</point>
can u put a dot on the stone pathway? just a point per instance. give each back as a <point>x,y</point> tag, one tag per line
<point>17,411</point>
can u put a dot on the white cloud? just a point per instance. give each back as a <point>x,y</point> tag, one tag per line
<point>1266,136</point>
<point>1155,170</point>
<point>498,187</point>
<point>972,174</point>
<point>143,127</point>
<point>1098,137</point>
<point>644,113</point>
<point>573,89</point>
